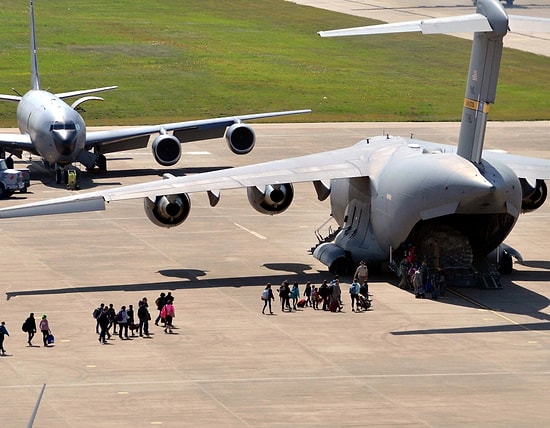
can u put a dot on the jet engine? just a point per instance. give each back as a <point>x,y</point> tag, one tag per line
<point>168,211</point>
<point>533,196</point>
<point>273,199</point>
<point>240,138</point>
<point>166,149</point>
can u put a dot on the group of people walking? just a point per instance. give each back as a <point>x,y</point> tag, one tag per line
<point>107,318</point>
<point>328,295</point>
<point>108,321</point>
<point>29,326</point>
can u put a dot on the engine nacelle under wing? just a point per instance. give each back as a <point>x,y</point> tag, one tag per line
<point>533,196</point>
<point>168,211</point>
<point>166,149</point>
<point>273,199</point>
<point>240,138</point>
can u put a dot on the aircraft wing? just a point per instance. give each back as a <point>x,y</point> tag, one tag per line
<point>342,163</point>
<point>454,24</point>
<point>16,143</point>
<point>527,167</point>
<point>195,130</point>
<point>524,167</point>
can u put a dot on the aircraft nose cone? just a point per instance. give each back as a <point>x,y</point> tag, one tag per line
<point>65,141</point>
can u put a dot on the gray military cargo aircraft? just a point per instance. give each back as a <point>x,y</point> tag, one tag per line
<point>387,193</point>
<point>55,131</point>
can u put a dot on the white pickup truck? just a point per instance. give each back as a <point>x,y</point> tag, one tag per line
<point>12,180</point>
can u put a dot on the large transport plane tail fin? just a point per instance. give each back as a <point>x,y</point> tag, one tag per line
<point>489,24</point>
<point>35,78</point>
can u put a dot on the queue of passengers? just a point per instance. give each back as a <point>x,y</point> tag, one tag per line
<point>326,297</point>
<point>420,280</point>
<point>108,318</point>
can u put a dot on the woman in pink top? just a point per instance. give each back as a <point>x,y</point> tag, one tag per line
<point>45,329</point>
<point>168,312</point>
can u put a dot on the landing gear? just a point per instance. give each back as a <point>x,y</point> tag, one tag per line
<point>506,265</point>
<point>101,162</point>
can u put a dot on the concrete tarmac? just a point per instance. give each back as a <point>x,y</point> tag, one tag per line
<point>471,358</point>
<point>413,10</point>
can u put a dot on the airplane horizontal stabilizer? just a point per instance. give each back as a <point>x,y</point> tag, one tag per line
<point>61,206</point>
<point>457,24</point>
<point>63,95</point>
<point>528,24</point>
<point>15,98</point>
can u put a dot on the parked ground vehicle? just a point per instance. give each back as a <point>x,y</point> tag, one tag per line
<point>12,180</point>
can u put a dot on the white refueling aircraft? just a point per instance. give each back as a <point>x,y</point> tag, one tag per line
<point>55,131</point>
<point>387,193</point>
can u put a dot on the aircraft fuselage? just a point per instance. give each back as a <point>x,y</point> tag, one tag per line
<point>418,195</point>
<point>57,131</point>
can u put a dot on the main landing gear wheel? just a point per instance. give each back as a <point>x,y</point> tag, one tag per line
<point>101,162</point>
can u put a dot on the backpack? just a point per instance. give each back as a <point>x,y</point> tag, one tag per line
<point>265,294</point>
<point>24,327</point>
<point>96,313</point>
<point>118,317</point>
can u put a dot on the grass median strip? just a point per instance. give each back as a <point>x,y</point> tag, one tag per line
<point>195,59</point>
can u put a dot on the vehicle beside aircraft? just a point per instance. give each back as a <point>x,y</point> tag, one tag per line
<point>453,204</point>
<point>55,131</point>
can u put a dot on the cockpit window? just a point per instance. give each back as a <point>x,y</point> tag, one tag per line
<point>59,126</point>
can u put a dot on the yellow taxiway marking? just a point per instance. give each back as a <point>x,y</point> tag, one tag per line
<point>496,313</point>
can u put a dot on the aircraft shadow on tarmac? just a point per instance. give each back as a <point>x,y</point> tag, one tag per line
<point>189,279</point>
<point>501,328</point>
<point>538,264</point>
<point>512,299</point>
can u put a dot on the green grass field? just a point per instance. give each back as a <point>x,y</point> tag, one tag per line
<point>195,59</point>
